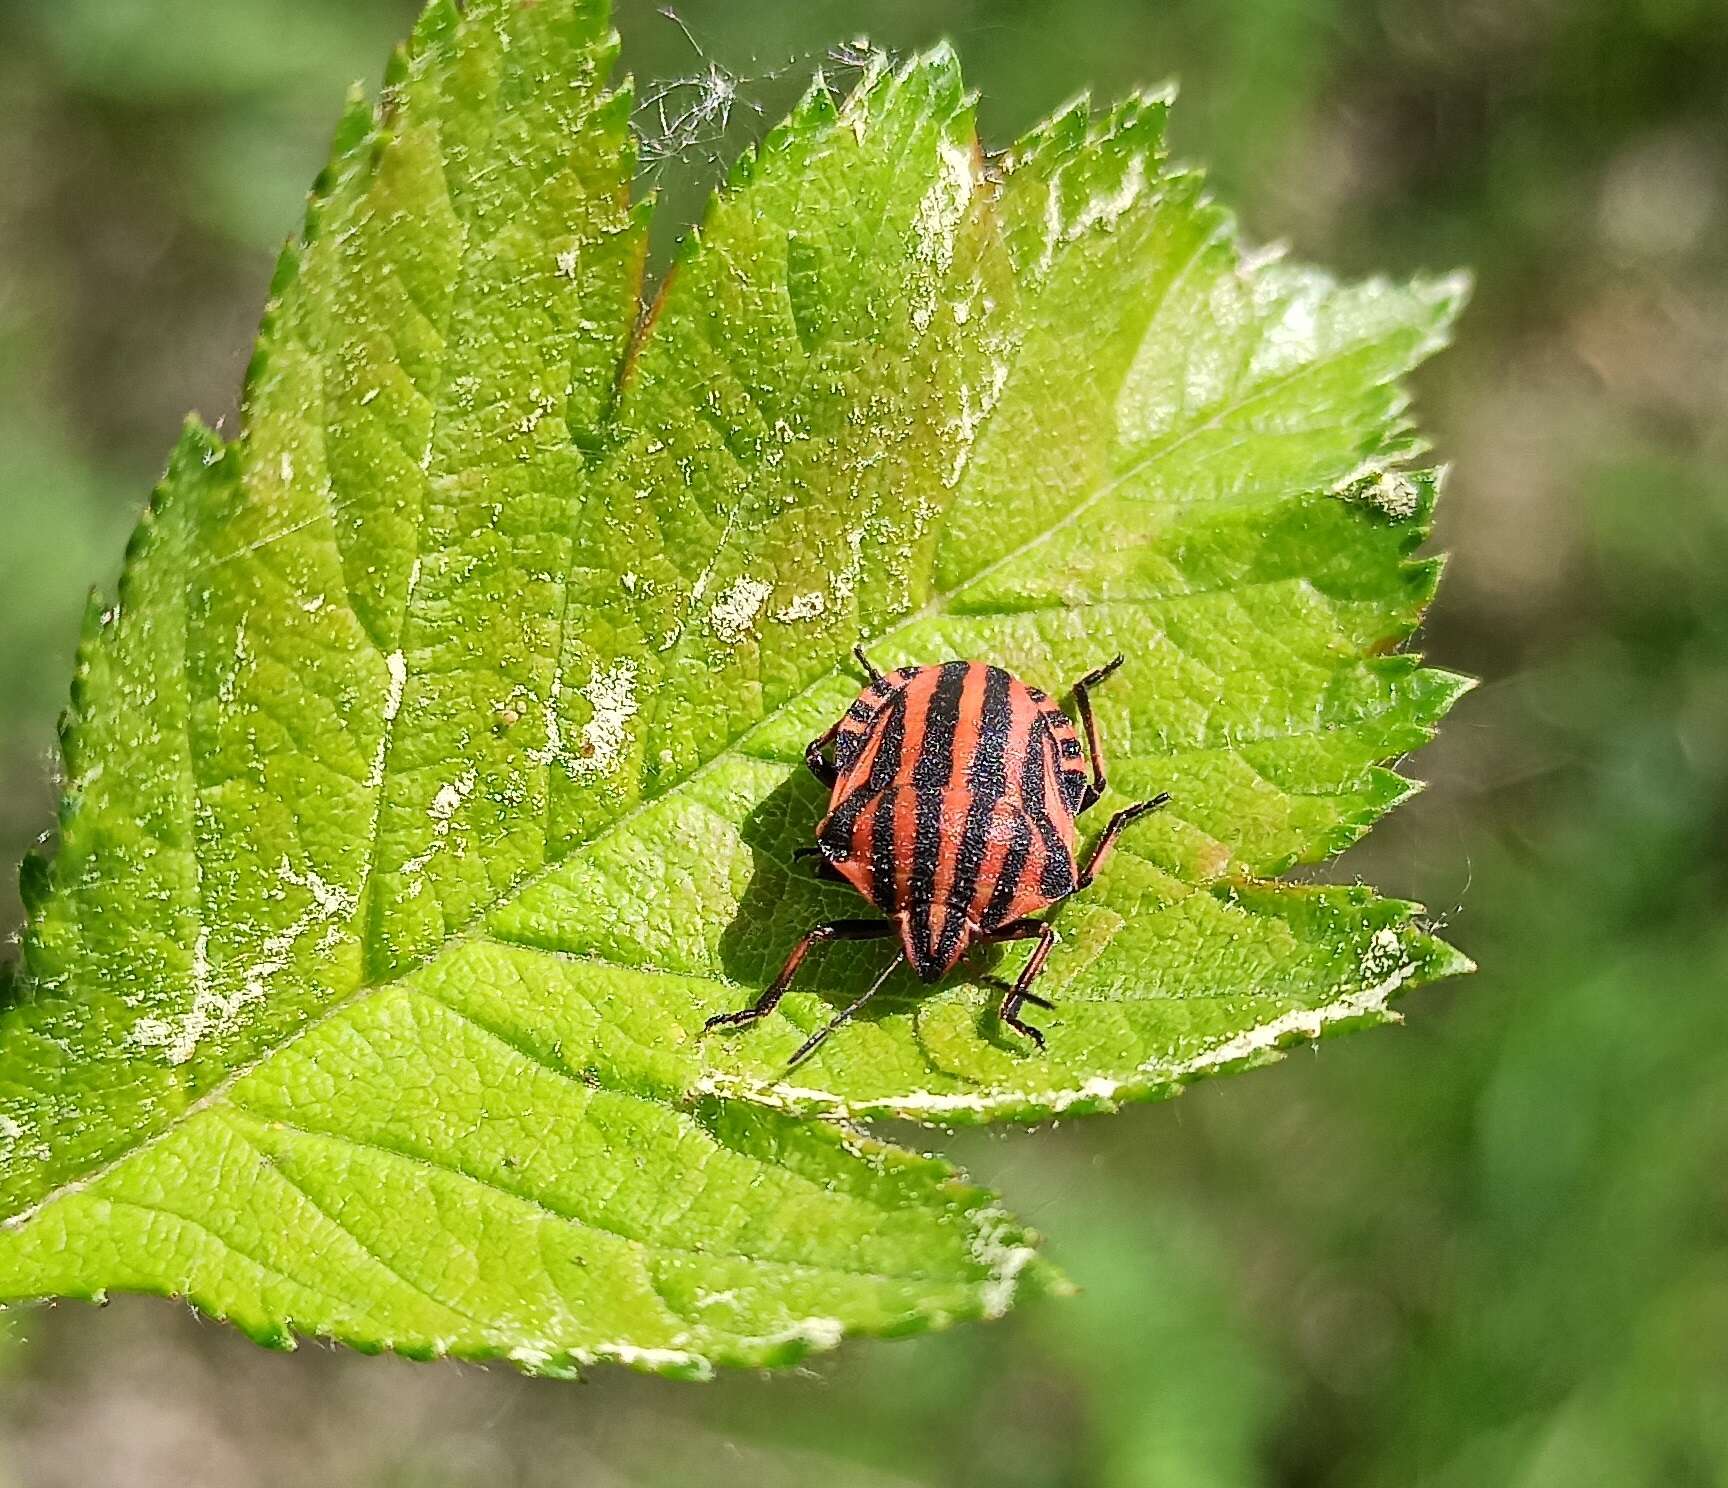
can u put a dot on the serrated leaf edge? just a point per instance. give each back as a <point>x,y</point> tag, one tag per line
<point>1265,1043</point>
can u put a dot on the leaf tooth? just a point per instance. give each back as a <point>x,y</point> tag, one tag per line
<point>439,23</point>
<point>1422,575</point>
<point>352,127</point>
<point>1138,122</point>
<point>350,145</point>
<point>398,73</point>
<point>35,882</point>
<point>928,81</point>
<point>1444,688</point>
<point>1449,294</point>
<point>817,107</point>
<point>1047,144</point>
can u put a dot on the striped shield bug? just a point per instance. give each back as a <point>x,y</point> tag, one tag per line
<point>954,792</point>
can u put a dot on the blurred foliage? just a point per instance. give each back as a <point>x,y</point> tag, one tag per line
<point>1491,1249</point>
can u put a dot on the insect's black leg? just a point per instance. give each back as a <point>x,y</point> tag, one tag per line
<point>869,666</point>
<point>769,1000</point>
<point>1021,994</point>
<point>1083,704</point>
<point>1101,849</point>
<point>822,768</point>
<point>808,1047</point>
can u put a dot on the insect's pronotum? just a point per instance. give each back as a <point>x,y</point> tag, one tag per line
<point>954,793</point>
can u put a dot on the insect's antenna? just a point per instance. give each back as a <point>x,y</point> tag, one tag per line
<point>808,1047</point>
<point>865,662</point>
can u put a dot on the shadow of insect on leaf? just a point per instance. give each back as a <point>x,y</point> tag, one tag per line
<point>784,899</point>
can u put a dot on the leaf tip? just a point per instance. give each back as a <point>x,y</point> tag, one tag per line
<point>1446,297</point>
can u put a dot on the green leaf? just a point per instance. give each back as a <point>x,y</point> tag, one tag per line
<point>438,771</point>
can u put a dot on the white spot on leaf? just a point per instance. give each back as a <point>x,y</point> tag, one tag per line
<point>449,799</point>
<point>214,1008</point>
<point>445,804</point>
<point>802,607</point>
<point>845,580</point>
<point>1390,491</point>
<point>612,695</point>
<point>1104,211</point>
<point>1395,494</point>
<point>397,666</point>
<point>734,612</point>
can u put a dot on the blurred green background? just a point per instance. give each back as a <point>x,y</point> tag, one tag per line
<point>1488,1249</point>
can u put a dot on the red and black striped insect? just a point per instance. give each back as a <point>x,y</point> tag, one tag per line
<point>954,793</point>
